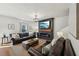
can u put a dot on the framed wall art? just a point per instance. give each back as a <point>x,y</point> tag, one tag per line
<point>11,26</point>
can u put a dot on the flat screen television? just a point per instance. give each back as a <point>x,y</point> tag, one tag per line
<point>44,24</point>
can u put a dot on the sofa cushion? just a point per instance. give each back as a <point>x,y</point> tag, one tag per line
<point>57,48</point>
<point>23,35</point>
<point>68,49</point>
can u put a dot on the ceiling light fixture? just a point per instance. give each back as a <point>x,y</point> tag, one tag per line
<point>36,17</point>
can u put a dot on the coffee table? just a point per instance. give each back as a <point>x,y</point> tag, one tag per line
<point>40,43</point>
<point>28,43</point>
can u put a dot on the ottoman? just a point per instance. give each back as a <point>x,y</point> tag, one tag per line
<point>29,43</point>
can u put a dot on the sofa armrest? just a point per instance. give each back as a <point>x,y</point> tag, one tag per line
<point>12,39</point>
<point>34,52</point>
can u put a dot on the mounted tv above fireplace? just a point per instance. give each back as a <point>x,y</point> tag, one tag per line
<point>46,28</point>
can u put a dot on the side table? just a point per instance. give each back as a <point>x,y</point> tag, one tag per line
<point>3,38</point>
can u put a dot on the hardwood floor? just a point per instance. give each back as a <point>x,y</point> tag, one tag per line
<point>13,51</point>
<point>18,50</point>
<point>4,51</point>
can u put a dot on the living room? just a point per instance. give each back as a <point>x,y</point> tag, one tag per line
<point>23,23</point>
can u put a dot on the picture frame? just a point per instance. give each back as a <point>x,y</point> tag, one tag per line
<point>11,26</point>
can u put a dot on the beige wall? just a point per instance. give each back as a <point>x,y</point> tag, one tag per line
<point>72,19</point>
<point>59,24</point>
<point>72,28</point>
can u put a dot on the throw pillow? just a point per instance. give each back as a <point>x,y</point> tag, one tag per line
<point>53,41</point>
<point>14,35</point>
<point>46,49</point>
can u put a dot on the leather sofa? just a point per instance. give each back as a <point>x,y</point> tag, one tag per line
<point>61,48</point>
<point>23,37</point>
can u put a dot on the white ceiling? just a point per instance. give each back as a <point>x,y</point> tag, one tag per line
<point>25,10</point>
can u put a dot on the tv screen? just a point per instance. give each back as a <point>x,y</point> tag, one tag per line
<point>44,24</point>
